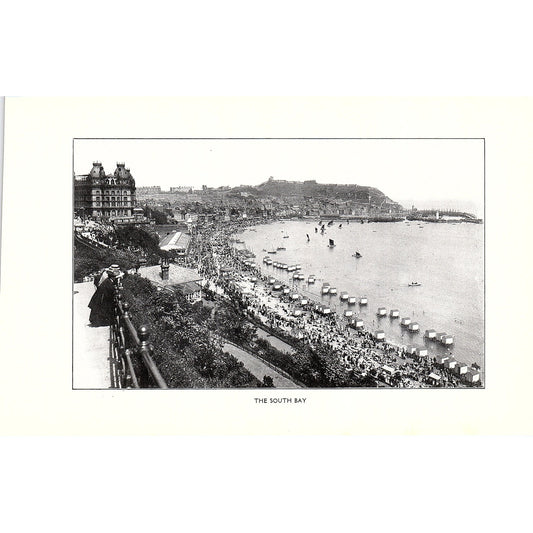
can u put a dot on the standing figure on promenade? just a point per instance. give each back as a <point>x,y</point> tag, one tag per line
<point>103,300</point>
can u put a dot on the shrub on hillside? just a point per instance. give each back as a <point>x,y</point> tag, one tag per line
<point>184,351</point>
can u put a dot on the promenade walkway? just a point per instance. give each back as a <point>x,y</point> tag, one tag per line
<point>258,368</point>
<point>91,365</point>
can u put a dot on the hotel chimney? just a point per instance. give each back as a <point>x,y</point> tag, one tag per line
<point>164,269</point>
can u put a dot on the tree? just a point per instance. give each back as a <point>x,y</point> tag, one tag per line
<point>268,382</point>
<point>232,324</point>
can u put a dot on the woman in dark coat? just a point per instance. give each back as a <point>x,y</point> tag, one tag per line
<point>102,304</point>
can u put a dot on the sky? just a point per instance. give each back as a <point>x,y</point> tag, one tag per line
<point>439,173</point>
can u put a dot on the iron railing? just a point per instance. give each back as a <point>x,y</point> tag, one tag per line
<point>131,353</point>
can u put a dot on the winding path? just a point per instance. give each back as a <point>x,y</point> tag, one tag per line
<point>259,369</point>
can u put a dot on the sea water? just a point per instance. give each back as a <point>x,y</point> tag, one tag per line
<point>446,259</point>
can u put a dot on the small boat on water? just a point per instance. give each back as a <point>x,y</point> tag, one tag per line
<point>331,243</point>
<point>285,236</point>
<point>271,251</point>
<point>281,248</point>
<point>414,284</point>
<point>357,255</point>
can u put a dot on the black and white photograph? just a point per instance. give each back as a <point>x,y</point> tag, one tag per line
<point>286,263</point>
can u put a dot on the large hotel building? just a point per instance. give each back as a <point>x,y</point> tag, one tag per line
<point>104,196</point>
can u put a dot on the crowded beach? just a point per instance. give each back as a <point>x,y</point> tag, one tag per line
<point>296,315</point>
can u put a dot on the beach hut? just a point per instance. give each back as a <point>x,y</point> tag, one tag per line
<point>410,349</point>
<point>439,336</point>
<point>421,351</point>
<point>363,300</point>
<point>414,327</point>
<point>286,290</point>
<point>326,310</point>
<point>304,301</point>
<point>271,281</point>
<point>295,296</point>
<point>451,363</point>
<point>296,312</point>
<point>253,280</point>
<point>405,321</point>
<point>311,279</point>
<point>325,290</point>
<point>460,369</point>
<point>296,276</point>
<point>430,334</point>
<point>434,379</point>
<point>352,299</point>
<point>441,359</point>
<point>382,311</point>
<point>348,312</point>
<point>389,370</point>
<point>446,339</point>
<point>291,268</point>
<point>379,335</point>
<point>344,295</point>
<point>394,313</point>
<point>472,376</point>
<point>357,322</point>
<point>277,286</point>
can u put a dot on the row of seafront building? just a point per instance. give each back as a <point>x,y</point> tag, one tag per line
<point>115,196</point>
